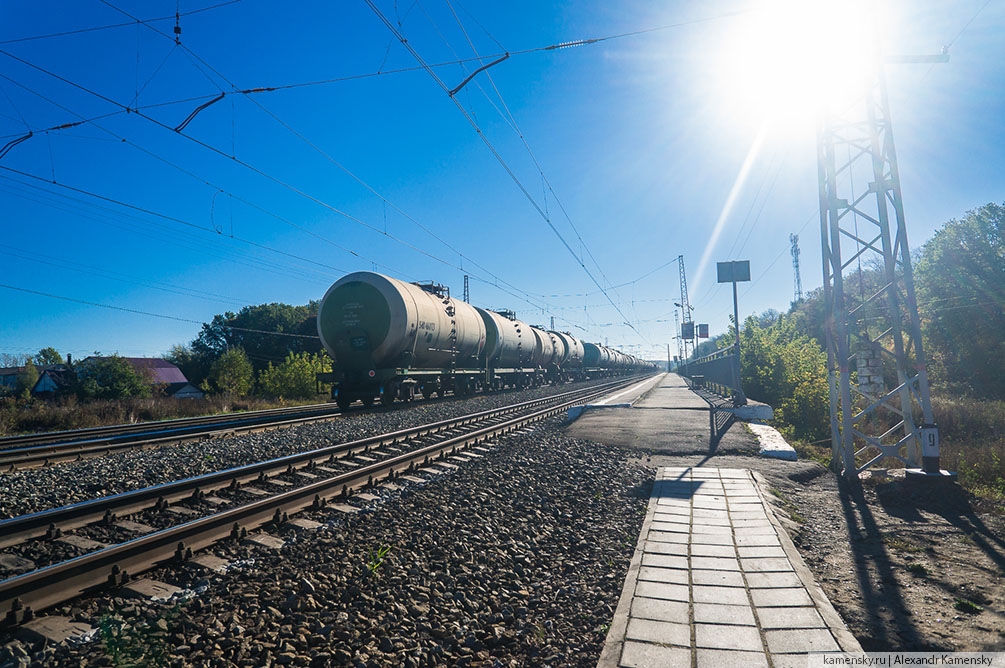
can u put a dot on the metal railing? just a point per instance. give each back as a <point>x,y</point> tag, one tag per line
<point>718,373</point>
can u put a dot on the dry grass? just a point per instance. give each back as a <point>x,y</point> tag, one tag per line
<point>972,434</point>
<point>17,416</point>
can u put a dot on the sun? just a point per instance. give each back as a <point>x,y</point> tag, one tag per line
<point>787,60</point>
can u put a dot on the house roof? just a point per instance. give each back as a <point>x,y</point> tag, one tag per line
<point>60,378</point>
<point>156,369</point>
<point>15,370</point>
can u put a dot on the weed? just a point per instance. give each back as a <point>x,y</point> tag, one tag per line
<point>918,569</point>
<point>377,558</point>
<point>540,632</point>
<point>790,507</point>
<point>900,544</point>
<point>134,644</point>
<point>969,607</point>
<point>603,629</point>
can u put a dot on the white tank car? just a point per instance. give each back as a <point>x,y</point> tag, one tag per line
<point>368,320</point>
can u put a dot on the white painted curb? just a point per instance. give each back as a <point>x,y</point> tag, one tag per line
<point>772,443</point>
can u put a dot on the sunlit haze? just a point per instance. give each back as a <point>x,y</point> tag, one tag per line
<point>686,128</point>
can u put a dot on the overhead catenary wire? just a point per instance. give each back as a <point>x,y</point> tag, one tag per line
<point>109,216</point>
<point>254,169</point>
<point>116,25</point>
<point>164,216</point>
<point>61,263</point>
<point>324,154</point>
<point>125,110</point>
<point>151,314</point>
<point>499,158</point>
<point>523,139</point>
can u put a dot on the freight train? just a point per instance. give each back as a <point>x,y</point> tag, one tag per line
<point>391,340</point>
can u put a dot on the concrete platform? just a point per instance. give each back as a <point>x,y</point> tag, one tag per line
<point>669,418</point>
<point>715,581</point>
<point>621,399</point>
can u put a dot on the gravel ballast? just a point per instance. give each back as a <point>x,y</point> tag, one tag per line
<point>33,490</point>
<point>516,558</point>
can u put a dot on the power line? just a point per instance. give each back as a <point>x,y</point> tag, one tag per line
<point>499,158</point>
<point>81,207</point>
<point>530,152</point>
<point>116,25</point>
<point>167,217</point>
<point>315,147</point>
<point>153,315</point>
<point>115,276</point>
<point>248,166</point>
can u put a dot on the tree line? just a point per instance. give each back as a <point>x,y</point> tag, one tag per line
<point>959,277</point>
<point>268,349</point>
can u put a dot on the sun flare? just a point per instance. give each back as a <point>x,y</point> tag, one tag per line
<point>789,59</point>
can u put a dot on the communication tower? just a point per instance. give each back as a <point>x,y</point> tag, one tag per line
<point>797,286</point>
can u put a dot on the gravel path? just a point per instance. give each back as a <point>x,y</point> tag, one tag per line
<point>513,559</point>
<point>32,490</point>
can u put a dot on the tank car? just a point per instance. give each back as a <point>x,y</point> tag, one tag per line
<point>392,340</point>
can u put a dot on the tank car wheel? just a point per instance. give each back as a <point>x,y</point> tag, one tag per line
<point>342,402</point>
<point>368,402</point>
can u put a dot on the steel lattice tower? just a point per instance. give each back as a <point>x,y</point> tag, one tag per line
<point>797,281</point>
<point>684,304</point>
<point>467,295</point>
<point>876,364</point>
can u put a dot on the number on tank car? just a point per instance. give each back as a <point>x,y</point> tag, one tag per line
<point>358,342</point>
<point>427,326</point>
<point>350,314</point>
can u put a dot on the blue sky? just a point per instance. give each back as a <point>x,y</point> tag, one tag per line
<point>641,139</point>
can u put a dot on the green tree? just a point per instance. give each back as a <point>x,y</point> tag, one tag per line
<point>265,332</point>
<point>47,356</point>
<point>294,377</point>
<point>194,365</point>
<point>786,369</point>
<point>27,378</point>
<point>960,280</point>
<point>110,377</point>
<point>231,373</point>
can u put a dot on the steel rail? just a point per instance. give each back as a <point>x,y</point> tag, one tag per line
<point>52,523</point>
<point>44,455</point>
<point>186,430</point>
<point>153,426</point>
<point>22,595</point>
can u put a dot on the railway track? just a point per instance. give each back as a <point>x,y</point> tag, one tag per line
<point>41,449</point>
<point>321,477</point>
<point>33,450</point>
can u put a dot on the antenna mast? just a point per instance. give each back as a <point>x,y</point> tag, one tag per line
<point>797,287</point>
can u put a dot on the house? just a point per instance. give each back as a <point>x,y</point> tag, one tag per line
<point>184,390</point>
<point>52,380</point>
<point>169,377</point>
<point>9,376</point>
<point>163,375</point>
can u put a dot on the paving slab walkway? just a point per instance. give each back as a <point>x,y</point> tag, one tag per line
<point>716,582</point>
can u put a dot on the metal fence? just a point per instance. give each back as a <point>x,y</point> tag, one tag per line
<point>718,373</point>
